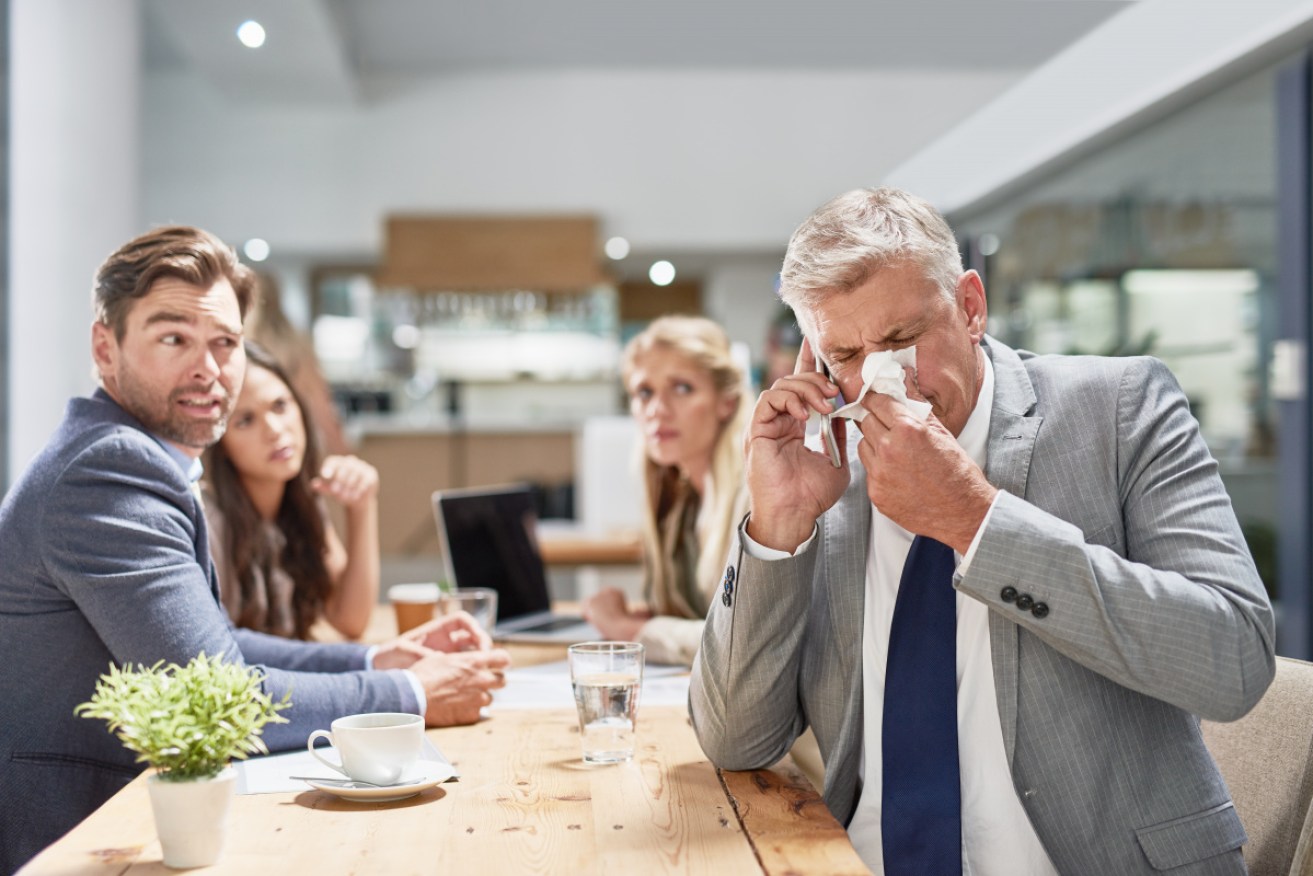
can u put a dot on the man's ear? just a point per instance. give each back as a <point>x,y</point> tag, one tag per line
<point>971,298</point>
<point>104,350</point>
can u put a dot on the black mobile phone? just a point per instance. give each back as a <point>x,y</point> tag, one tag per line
<point>827,425</point>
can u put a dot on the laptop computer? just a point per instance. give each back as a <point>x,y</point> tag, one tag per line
<point>488,540</point>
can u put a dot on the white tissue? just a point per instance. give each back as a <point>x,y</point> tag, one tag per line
<point>882,372</point>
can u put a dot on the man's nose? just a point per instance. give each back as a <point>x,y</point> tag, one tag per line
<point>207,365</point>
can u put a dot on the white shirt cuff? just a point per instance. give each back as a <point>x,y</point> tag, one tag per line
<point>418,689</point>
<point>761,552</point>
<point>975,542</point>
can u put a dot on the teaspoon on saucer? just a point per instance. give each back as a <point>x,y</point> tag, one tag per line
<point>354,783</point>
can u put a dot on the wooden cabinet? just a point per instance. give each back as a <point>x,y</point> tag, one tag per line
<point>412,464</point>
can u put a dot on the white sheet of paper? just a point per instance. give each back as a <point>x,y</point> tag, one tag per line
<point>272,773</point>
<point>547,686</point>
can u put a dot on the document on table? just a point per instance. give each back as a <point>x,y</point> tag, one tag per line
<point>272,773</point>
<point>547,686</point>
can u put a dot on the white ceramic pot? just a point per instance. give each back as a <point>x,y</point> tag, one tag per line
<point>191,818</point>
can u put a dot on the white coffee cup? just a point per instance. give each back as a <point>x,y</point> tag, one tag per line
<point>380,748</point>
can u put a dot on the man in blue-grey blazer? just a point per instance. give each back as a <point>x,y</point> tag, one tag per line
<point>1056,530</point>
<point>106,558</point>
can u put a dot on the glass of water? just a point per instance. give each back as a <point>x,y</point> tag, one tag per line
<point>606,678</point>
<point>479,602</point>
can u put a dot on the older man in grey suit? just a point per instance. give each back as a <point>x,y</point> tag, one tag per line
<point>106,557</point>
<point>1098,594</point>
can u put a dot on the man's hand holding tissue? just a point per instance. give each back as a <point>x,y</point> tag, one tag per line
<point>790,485</point>
<point>919,476</point>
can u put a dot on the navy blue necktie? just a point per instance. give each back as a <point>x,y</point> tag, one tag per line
<point>921,810</point>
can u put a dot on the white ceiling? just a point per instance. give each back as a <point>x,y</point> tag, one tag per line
<point>330,50</point>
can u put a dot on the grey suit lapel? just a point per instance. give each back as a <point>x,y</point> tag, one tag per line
<point>846,538</point>
<point>102,407</point>
<point>1007,465</point>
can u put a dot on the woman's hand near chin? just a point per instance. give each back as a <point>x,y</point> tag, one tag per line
<point>353,564</point>
<point>607,611</point>
<point>348,479</point>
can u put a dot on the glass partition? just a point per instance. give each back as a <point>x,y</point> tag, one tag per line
<point>1163,243</point>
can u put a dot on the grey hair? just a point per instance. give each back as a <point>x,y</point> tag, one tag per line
<point>840,246</point>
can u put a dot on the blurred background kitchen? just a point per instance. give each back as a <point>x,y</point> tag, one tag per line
<point>468,207</point>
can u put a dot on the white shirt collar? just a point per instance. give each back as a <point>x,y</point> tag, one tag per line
<point>191,466</point>
<point>975,434</point>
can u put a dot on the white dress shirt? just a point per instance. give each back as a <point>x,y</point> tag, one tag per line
<point>997,836</point>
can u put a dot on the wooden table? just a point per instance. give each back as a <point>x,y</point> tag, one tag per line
<point>526,803</point>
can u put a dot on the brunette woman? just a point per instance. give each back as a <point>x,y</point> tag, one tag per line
<point>280,562</point>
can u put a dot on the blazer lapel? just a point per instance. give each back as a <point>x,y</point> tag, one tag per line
<point>1012,434</point>
<point>846,540</point>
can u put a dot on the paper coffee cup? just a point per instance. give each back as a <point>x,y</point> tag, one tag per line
<point>414,604</point>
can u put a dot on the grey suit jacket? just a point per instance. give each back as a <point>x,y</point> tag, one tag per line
<point>106,561</point>
<point>1113,515</point>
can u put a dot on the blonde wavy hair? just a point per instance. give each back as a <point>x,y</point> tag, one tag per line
<point>704,344</point>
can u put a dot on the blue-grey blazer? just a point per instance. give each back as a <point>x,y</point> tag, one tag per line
<point>106,560</point>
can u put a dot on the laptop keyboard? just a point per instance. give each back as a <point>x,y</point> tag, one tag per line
<point>547,626</point>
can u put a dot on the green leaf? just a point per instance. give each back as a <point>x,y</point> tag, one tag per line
<point>186,721</point>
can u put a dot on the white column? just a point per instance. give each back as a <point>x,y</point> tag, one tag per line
<point>74,193</point>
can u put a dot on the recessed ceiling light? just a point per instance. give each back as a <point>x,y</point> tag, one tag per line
<point>256,249</point>
<point>617,248</point>
<point>406,336</point>
<point>251,33</point>
<point>661,273</point>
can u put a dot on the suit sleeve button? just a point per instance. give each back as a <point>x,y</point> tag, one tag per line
<point>729,575</point>
<point>727,599</point>
<point>1040,609</point>
<point>1025,602</point>
<point>1008,594</point>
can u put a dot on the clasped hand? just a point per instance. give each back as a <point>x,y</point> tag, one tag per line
<point>453,658</point>
<point>607,610</point>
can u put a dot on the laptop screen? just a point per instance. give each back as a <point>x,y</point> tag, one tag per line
<point>488,539</point>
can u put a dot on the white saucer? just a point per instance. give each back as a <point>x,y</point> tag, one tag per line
<point>427,774</point>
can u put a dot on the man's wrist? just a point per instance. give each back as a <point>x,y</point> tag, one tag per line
<point>777,534</point>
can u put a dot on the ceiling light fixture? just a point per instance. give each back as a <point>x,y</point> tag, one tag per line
<point>661,273</point>
<point>616,248</point>
<point>251,33</point>
<point>256,249</point>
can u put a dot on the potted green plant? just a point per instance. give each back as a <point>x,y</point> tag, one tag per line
<point>188,722</point>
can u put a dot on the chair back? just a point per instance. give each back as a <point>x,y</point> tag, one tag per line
<point>1266,759</point>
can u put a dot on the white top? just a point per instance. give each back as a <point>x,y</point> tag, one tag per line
<point>997,837</point>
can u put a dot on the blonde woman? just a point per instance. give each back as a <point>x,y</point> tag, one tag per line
<point>686,394</point>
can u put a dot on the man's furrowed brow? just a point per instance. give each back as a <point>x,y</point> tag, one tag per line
<point>170,316</point>
<point>841,352</point>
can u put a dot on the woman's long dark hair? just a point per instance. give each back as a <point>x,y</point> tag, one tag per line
<point>299,518</point>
